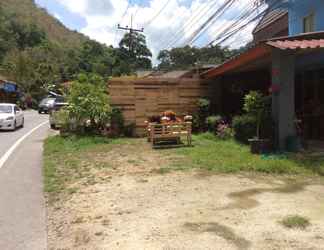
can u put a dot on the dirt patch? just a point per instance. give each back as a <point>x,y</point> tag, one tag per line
<point>132,204</point>
<point>221,231</point>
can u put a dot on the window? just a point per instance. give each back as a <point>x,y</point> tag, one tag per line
<point>309,23</point>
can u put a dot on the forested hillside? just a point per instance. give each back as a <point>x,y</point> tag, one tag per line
<point>38,52</point>
<point>27,12</point>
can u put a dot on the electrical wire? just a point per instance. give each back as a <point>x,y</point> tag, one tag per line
<point>178,36</point>
<point>201,30</point>
<point>247,12</point>
<point>158,14</point>
<point>242,27</point>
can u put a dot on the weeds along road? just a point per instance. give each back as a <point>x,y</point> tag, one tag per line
<point>22,204</point>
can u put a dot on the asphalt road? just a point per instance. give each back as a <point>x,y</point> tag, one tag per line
<point>22,204</point>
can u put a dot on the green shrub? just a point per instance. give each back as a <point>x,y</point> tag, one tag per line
<point>224,131</point>
<point>244,127</point>
<point>213,122</point>
<point>199,119</point>
<point>89,102</point>
<point>257,105</point>
<point>295,221</point>
<point>117,120</point>
<point>62,119</point>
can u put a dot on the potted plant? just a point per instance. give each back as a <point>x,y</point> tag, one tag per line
<point>255,104</point>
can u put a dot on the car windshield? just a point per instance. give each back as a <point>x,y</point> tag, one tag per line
<point>6,109</point>
<point>47,101</point>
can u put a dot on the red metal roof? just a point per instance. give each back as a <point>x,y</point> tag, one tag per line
<point>312,40</point>
<point>244,58</point>
<point>297,44</point>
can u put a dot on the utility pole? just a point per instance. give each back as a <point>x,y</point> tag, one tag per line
<point>131,31</point>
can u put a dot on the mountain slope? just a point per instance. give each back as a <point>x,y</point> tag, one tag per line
<point>27,11</point>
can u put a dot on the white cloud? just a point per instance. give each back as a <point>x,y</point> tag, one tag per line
<point>57,16</point>
<point>103,16</point>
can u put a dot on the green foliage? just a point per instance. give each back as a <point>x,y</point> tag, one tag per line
<point>255,104</point>
<point>224,131</point>
<point>89,101</point>
<point>213,122</point>
<point>211,153</point>
<point>62,119</point>
<point>39,53</point>
<point>117,121</point>
<point>133,49</point>
<point>244,127</point>
<point>295,221</point>
<point>188,57</point>
<point>199,119</point>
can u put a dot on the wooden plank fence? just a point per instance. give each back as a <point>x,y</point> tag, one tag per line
<point>140,98</point>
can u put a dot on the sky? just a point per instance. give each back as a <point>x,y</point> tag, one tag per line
<point>166,23</point>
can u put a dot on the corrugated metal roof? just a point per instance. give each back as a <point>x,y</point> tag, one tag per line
<point>313,40</point>
<point>269,18</point>
<point>297,44</point>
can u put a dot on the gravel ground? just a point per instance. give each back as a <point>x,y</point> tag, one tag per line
<point>133,207</point>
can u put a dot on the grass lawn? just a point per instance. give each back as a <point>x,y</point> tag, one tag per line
<point>213,154</point>
<point>74,161</point>
<point>68,160</point>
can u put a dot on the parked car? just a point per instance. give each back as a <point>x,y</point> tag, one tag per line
<point>11,116</point>
<point>48,103</point>
<point>53,115</point>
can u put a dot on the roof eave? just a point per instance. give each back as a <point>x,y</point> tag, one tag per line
<point>234,63</point>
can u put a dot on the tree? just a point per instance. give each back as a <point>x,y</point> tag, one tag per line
<point>133,49</point>
<point>7,38</point>
<point>187,57</point>
<point>89,101</point>
<point>35,69</point>
<point>165,60</point>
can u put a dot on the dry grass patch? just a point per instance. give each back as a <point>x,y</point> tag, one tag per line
<point>295,221</point>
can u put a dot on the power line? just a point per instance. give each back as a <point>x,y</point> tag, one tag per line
<point>158,14</point>
<point>131,31</point>
<point>205,26</point>
<point>247,11</point>
<point>127,8</point>
<point>122,18</point>
<point>202,11</point>
<point>234,32</point>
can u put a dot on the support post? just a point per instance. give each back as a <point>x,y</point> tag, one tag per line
<point>283,98</point>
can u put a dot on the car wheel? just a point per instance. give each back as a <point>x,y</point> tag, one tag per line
<point>23,123</point>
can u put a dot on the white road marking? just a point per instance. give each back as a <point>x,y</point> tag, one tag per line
<point>6,156</point>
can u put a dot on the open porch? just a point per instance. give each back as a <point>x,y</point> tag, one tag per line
<point>291,70</point>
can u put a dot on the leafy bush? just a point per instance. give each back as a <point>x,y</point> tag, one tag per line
<point>213,122</point>
<point>255,104</point>
<point>295,221</point>
<point>89,102</point>
<point>199,119</point>
<point>244,127</point>
<point>117,120</point>
<point>224,131</point>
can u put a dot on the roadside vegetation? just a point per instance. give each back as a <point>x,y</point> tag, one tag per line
<point>230,156</point>
<point>295,221</point>
<point>68,160</point>
<point>73,159</point>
